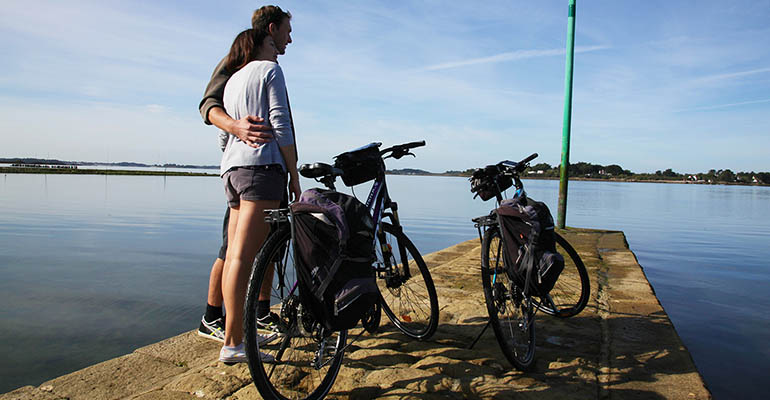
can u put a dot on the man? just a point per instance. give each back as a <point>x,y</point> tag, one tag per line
<point>249,129</point>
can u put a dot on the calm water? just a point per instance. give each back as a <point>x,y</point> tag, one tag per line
<point>95,266</point>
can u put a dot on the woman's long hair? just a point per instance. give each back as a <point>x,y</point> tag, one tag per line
<point>244,49</point>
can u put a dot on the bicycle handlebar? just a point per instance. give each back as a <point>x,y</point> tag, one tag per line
<point>518,166</point>
<point>528,159</point>
<point>401,150</point>
<point>323,170</point>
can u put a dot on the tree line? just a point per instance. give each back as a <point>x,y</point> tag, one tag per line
<point>614,171</point>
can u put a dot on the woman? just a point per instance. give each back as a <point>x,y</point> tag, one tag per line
<point>254,178</point>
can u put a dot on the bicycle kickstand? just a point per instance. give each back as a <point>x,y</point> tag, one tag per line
<point>489,321</point>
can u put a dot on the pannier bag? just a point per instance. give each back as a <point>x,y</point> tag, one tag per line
<point>527,228</point>
<point>483,182</point>
<point>360,165</point>
<point>334,254</point>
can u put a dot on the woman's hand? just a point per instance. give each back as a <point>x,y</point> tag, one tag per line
<point>294,190</point>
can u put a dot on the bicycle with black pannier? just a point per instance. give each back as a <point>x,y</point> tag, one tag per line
<point>331,262</point>
<point>525,265</point>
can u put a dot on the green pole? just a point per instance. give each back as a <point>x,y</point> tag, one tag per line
<point>564,172</point>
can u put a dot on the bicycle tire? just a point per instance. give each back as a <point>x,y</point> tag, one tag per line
<point>405,302</point>
<point>569,295</point>
<point>293,375</point>
<point>515,331</point>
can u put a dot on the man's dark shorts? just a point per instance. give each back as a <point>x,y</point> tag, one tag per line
<point>253,183</point>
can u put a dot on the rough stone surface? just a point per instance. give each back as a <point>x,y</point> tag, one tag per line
<point>622,346</point>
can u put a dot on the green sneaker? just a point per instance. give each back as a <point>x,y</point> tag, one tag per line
<point>214,330</point>
<point>268,325</point>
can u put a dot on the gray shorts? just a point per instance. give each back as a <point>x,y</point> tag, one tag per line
<point>259,182</point>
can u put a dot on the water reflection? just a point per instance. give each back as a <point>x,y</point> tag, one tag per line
<point>103,264</point>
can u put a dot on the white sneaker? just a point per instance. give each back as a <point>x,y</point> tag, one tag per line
<point>237,354</point>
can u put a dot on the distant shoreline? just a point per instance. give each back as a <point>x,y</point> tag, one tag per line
<point>577,178</point>
<point>57,171</point>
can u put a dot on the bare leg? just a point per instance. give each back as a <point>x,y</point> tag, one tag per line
<point>231,227</point>
<point>267,284</point>
<point>247,232</point>
<point>215,283</point>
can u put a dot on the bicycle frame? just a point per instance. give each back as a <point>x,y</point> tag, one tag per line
<point>378,202</point>
<point>380,206</point>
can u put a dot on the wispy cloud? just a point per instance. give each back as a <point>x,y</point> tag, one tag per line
<point>732,75</point>
<point>718,106</point>
<point>510,56</point>
<point>156,108</point>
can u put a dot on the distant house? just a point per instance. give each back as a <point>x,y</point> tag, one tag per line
<point>693,178</point>
<point>539,172</point>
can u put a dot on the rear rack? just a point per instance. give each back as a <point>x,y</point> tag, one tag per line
<point>484,221</point>
<point>280,215</point>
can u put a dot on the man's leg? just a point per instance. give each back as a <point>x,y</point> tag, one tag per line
<point>215,278</point>
<point>214,298</point>
<point>212,324</point>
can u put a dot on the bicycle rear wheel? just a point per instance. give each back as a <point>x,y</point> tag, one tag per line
<point>408,295</point>
<point>307,359</point>
<point>511,313</point>
<point>570,294</point>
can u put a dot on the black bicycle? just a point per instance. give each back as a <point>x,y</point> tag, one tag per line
<point>308,358</point>
<point>511,303</point>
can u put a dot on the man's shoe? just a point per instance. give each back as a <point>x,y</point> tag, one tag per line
<point>268,325</point>
<point>267,337</point>
<point>214,330</point>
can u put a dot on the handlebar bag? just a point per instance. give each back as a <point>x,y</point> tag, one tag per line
<point>361,165</point>
<point>333,256</point>
<point>488,184</point>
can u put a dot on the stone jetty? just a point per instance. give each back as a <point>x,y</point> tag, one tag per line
<point>622,346</point>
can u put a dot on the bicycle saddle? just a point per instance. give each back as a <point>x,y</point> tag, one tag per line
<point>316,170</point>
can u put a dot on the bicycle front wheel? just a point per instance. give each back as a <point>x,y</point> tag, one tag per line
<point>408,296</point>
<point>306,359</point>
<point>511,313</point>
<point>570,294</point>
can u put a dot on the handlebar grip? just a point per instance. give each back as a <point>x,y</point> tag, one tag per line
<point>412,145</point>
<point>528,159</point>
<point>401,150</point>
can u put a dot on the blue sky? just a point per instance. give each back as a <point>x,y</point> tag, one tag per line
<point>657,84</point>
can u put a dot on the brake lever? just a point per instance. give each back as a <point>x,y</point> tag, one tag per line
<point>397,155</point>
